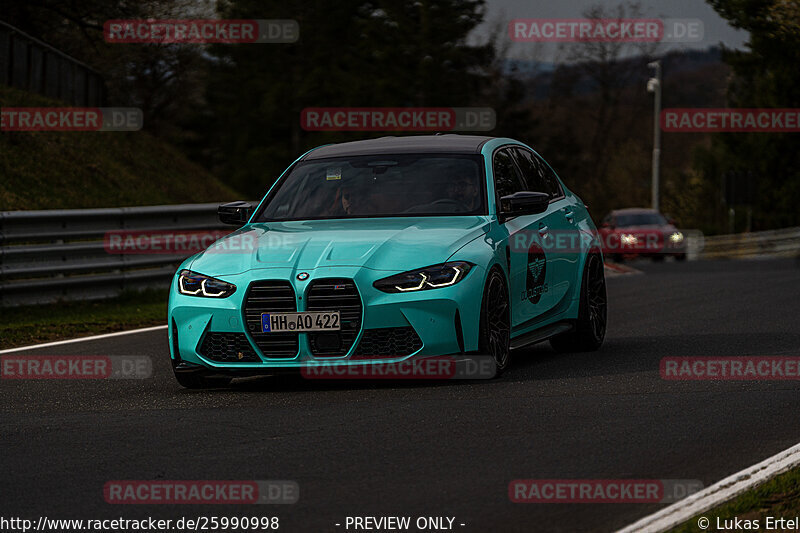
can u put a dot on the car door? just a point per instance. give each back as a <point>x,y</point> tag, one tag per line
<point>563,239</point>
<point>529,274</point>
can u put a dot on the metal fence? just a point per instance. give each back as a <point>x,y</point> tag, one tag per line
<point>29,64</point>
<point>52,255</point>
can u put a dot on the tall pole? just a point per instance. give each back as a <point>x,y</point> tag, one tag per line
<point>654,86</point>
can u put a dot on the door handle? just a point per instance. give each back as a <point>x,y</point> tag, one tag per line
<point>544,231</point>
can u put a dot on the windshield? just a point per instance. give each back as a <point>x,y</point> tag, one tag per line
<point>640,219</point>
<point>379,186</point>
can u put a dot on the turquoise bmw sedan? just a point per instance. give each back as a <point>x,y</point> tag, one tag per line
<point>389,249</point>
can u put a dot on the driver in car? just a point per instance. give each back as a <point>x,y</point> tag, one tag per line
<point>342,202</point>
<point>464,190</point>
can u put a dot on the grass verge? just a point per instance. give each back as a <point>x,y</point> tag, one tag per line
<point>21,326</point>
<point>71,170</point>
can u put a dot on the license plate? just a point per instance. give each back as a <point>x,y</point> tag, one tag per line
<point>300,322</point>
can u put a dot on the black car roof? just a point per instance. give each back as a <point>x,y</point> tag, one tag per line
<point>450,143</point>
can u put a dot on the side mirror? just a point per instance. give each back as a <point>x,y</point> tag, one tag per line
<point>235,213</point>
<point>524,203</point>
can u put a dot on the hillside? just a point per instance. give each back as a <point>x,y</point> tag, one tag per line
<point>697,66</point>
<point>52,170</point>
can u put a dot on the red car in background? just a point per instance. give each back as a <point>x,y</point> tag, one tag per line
<point>640,232</point>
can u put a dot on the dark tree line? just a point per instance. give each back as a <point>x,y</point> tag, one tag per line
<point>236,108</point>
<point>766,75</point>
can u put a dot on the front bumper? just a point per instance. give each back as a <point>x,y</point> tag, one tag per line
<point>215,334</point>
<point>645,245</point>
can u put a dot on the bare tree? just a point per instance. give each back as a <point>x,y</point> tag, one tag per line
<point>610,68</point>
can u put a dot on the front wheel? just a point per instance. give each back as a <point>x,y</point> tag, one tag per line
<point>495,325</point>
<point>590,328</point>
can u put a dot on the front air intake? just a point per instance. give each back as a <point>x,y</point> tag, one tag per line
<point>228,347</point>
<point>388,343</point>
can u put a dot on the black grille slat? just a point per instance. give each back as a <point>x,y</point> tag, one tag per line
<point>228,348</point>
<point>388,342</point>
<point>271,297</point>
<point>323,298</point>
<point>335,295</point>
<point>277,343</point>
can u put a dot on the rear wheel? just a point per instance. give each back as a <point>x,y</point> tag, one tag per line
<point>495,326</point>
<point>590,328</point>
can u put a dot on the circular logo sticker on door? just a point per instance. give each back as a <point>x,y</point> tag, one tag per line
<point>535,276</point>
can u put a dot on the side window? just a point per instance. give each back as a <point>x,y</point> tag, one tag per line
<point>551,181</point>
<point>506,176</point>
<point>533,173</point>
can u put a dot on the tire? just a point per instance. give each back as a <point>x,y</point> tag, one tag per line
<point>194,381</point>
<point>590,328</point>
<point>618,258</point>
<point>658,258</point>
<point>680,257</point>
<point>495,323</point>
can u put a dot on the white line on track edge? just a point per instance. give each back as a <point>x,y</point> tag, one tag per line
<point>83,339</point>
<point>718,493</point>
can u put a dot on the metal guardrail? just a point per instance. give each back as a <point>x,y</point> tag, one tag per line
<point>783,242</point>
<point>52,255</point>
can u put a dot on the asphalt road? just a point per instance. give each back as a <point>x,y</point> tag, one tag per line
<point>443,449</point>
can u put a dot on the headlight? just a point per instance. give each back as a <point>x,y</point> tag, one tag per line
<point>676,237</point>
<point>627,238</point>
<point>432,277</point>
<point>194,284</point>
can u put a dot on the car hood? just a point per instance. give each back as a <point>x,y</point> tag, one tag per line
<point>380,244</point>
